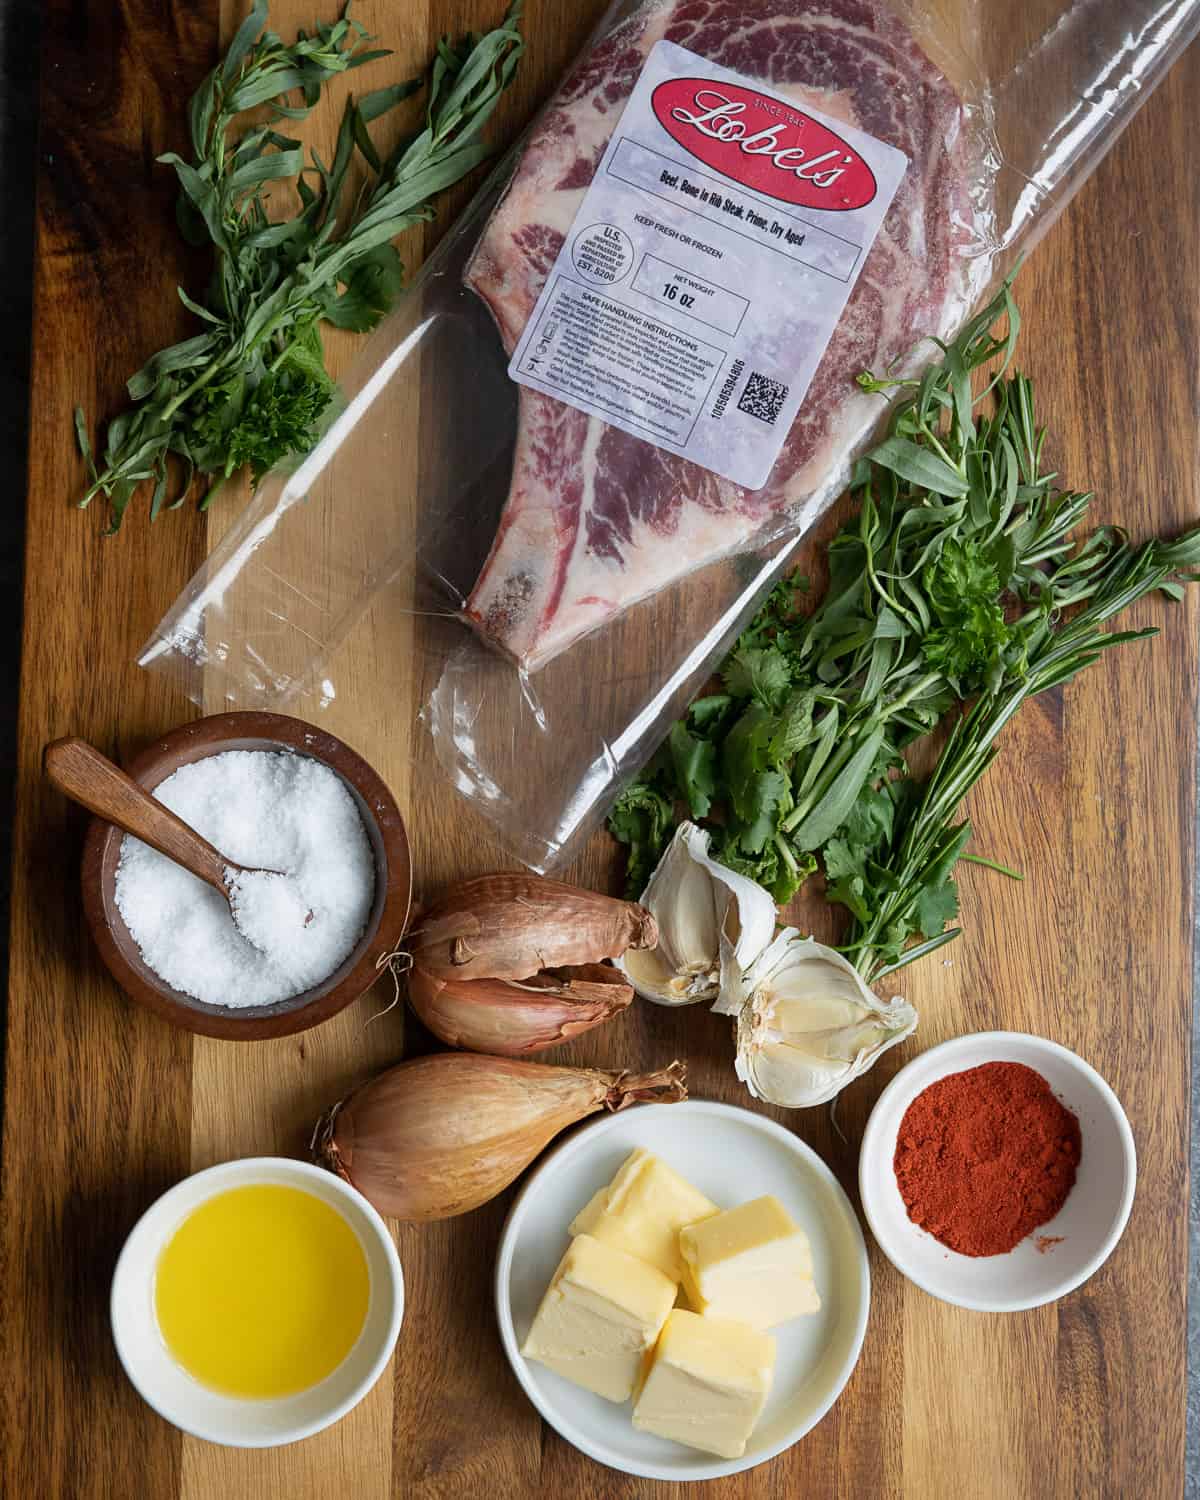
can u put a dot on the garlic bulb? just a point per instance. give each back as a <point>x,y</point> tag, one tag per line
<point>806,1024</point>
<point>710,920</point>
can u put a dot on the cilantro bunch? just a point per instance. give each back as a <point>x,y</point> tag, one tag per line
<point>251,388</point>
<point>955,593</point>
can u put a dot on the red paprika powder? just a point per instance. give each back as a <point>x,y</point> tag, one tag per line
<point>985,1156</point>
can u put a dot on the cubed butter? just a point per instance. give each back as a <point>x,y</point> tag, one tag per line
<point>752,1263</point>
<point>707,1383</point>
<point>601,1313</point>
<point>642,1210</point>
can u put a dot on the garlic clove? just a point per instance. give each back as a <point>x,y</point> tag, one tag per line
<point>653,980</point>
<point>711,921</point>
<point>683,889</point>
<point>807,1024</point>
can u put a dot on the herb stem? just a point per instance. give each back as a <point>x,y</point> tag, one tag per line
<point>218,367</point>
<point>990,864</point>
<point>786,854</point>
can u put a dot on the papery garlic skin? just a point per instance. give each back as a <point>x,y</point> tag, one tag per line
<point>806,1023</point>
<point>712,923</point>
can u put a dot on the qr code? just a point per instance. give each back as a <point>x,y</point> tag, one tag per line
<point>763,397</point>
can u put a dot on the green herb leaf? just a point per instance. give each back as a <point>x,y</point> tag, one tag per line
<point>84,442</point>
<point>279,419</point>
<point>762,799</point>
<point>850,891</point>
<point>936,906</point>
<point>244,38</point>
<point>372,285</point>
<point>793,728</point>
<point>834,806</point>
<point>695,763</point>
<point>706,713</point>
<point>841,859</point>
<point>758,672</point>
<point>919,467</point>
<point>745,755</point>
<point>641,818</point>
<point>871,820</point>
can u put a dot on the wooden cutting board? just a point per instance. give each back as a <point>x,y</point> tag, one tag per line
<point>105,1106</point>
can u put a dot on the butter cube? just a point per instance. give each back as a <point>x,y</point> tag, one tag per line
<point>707,1384</point>
<point>752,1263</point>
<point>642,1210</point>
<point>601,1313</point>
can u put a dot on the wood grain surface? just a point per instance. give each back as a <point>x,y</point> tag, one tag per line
<point>106,1106</point>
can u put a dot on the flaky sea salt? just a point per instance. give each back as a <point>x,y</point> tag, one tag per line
<point>276,812</point>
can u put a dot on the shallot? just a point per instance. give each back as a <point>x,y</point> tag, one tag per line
<point>512,1017</point>
<point>511,964</point>
<point>441,1135</point>
<point>514,925</point>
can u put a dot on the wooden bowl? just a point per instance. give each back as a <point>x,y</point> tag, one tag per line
<point>389,911</point>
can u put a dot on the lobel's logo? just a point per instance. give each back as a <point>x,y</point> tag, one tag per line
<point>763,143</point>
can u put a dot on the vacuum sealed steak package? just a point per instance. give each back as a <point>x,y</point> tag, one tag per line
<point>569,465</point>
<point>599,515</point>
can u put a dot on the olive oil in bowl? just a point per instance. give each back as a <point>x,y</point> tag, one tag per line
<point>262,1291</point>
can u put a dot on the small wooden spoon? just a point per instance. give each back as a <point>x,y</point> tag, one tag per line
<point>91,779</point>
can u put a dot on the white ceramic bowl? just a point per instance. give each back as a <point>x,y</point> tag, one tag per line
<point>731,1155</point>
<point>1089,1223</point>
<point>241,1423</point>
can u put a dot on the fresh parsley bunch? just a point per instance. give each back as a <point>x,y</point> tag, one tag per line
<point>956,590</point>
<point>250,389</point>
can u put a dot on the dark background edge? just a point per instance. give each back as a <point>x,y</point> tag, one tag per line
<point>20,53</point>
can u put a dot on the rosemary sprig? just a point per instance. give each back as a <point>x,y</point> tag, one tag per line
<point>251,388</point>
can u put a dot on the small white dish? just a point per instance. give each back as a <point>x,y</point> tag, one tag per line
<point>1075,1243</point>
<point>731,1155</point>
<point>240,1423</point>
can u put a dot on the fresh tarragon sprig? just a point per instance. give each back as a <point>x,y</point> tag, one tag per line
<point>957,590</point>
<point>251,388</point>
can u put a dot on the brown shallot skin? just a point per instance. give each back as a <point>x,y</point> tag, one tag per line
<point>513,1018</point>
<point>511,926</point>
<point>441,1135</point>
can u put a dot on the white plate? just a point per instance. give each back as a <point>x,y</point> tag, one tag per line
<point>1081,1236</point>
<point>731,1155</point>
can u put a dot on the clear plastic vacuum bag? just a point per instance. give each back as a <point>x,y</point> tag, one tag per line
<point>561,585</point>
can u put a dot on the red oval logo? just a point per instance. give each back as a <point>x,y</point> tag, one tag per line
<point>763,143</point>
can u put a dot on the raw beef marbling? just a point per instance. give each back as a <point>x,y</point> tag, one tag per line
<point>596,519</point>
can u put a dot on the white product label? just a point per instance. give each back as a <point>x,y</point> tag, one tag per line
<point>708,265</point>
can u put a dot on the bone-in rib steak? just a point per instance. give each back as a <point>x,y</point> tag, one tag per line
<point>597,519</point>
